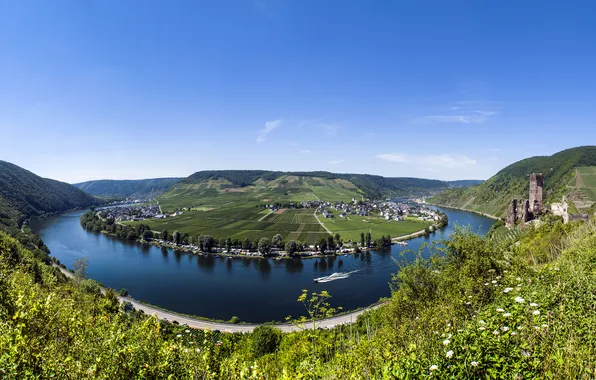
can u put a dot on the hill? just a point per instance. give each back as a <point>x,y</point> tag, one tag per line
<point>464,183</point>
<point>141,188</point>
<point>24,194</point>
<point>371,186</point>
<point>560,178</point>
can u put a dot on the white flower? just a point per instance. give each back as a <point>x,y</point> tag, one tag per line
<point>491,270</point>
<point>178,336</point>
<point>519,300</point>
<point>482,322</point>
<point>496,332</point>
<point>446,342</point>
<point>534,304</point>
<point>187,331</point>
<point>486,284</point>
<point>518,279</point>
<point>474,364</point>
<point>469,296</point>
<point>481,328</point>
<point>514,333</point>
<point>536,312</point>
<point>468,303</point>
<point>519,285</point>
<point>507,315</point>
<point>449,353</point>
<point>494,281</point>
<point>500,310</point>
<point>544,326</point>
<point>504,328</point>
<point>520,328</point>
<point>505,271</point>
<point>498,277</point>
<point>507,290</point>
<point>433,367</point>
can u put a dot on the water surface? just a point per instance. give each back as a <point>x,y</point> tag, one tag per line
<point>255,290</point>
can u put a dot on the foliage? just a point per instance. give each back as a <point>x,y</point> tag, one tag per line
<point>265,340</point>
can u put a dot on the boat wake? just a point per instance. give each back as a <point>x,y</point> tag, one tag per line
<point>335,276</point>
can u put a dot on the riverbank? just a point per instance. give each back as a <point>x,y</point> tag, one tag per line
<point>202,324</point>
<point>467,210</point>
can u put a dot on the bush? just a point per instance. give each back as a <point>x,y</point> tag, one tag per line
<point>235,319</point>
<point>123,292</point>
<point>265,340</point>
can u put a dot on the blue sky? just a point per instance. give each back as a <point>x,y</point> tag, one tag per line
<point>434,89</point>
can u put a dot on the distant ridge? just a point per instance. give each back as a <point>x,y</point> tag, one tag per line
<point>135,188</point>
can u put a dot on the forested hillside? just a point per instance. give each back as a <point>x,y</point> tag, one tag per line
<point>24,194</point>
<point>141,188</point>
<point>372,186</point>
<point>494,195</point>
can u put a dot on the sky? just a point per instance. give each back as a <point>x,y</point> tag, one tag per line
<point>433,89</point>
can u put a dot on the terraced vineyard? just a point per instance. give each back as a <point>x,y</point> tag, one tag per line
<point>582,188</point>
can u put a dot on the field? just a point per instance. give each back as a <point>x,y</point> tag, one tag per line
<point>218,208</point>
<point>582,188</point>
<point>352,227</point>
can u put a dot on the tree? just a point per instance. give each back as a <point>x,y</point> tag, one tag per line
<point>164,235</point>
<point>322,245</point>
<point>368,239</point>
<point>330,242</point>
<point>338,239</point>
<point>277,240</point>
<point>265,339</point>
<point>147,235</point>
<point>176,237</point>
<point>206,242</point>
<point>264,246</point>
<point>362,239</point>
<point>247,244</point>
<point>291,247</point>
<point>228,245</point>
<point>80,267</point>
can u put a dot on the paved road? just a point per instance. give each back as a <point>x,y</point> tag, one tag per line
<point>230,327</point>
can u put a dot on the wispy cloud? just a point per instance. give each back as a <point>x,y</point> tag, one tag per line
<point>431,161</point>
<point>466,112</point>
<point>330,129</point>
<point>305,151</point>
<point>269,126</point>
<point>336,162</point>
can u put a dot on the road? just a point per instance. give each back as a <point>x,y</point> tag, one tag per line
<point>231,327</point>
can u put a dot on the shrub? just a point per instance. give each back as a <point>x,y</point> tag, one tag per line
<point>265,340</point>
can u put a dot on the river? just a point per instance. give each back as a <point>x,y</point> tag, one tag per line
<point>255,290</point>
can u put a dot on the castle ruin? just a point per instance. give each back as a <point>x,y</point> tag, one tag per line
<point>524,210</point>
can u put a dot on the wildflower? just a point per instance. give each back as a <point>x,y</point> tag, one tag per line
<point>507,315</point>
<point>500,310</point>
<point>537,327</point>
<point>468,303</point>
<point>449,353</point>
<point>519,328</point>
<point>469,296</point>
<point>498,277</point>
<point>513,333</point>
<point>519,300</point>
<point>178,336</point>
<point>519,285</point>
<point>433,367</point>
<point>534,304</point>
<point>446,342</point>
<point>505,271</point>
<point>504,328</point>
<point>536,312</point>
<point>507,290</point>
<point>491,270</point>
<point>496,332</point>
<point>494,281</point>
<point>486,284</point>
<point>518,279</point>
<point>474,364</point>
<point>482,322</point>
<point>187,331</point>
<point>481,328</point>
<point>544,326</point>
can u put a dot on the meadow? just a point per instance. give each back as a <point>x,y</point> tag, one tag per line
<point>350,229</point>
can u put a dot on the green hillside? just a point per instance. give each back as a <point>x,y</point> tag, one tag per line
<point>517,307</point>
<point>24,194</point>
<point>494,195</point>
<point>141,188</point>
<point>371,186</point>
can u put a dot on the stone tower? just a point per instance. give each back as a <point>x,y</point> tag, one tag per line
<point>536,183</point>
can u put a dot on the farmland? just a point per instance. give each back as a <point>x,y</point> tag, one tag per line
<point>352,227</point>
<point>218,207</point>
<point>582,188</point>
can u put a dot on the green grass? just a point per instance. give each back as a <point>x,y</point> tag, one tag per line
<point>352,227</point>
